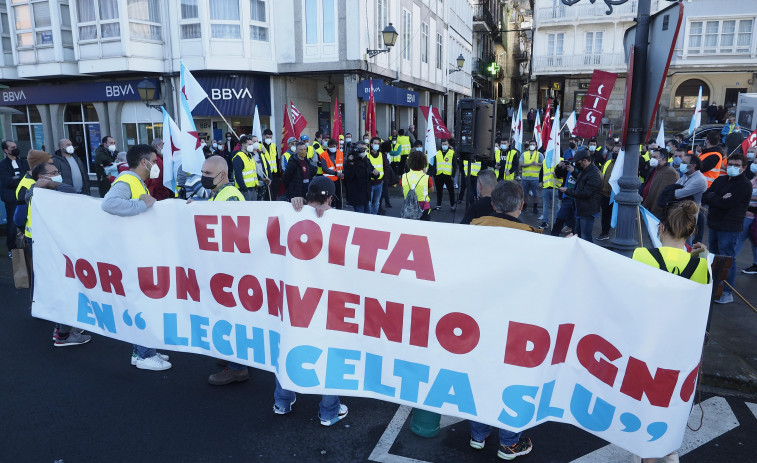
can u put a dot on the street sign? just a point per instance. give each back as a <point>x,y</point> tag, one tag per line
<point>664,27</point>
<point>494,69</point>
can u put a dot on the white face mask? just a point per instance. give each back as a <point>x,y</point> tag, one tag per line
<point>215,146</point>
<point>70,149</point>
<point>375,147</point>
<point>255,146</point>
<point>154,171</point>
<point>366,141</point>
<point>112,148</point>
<point>58,178</point>
<point>268,141</point>
<point>332,149</point>
<point>532,147</point>
<point>653,162</point>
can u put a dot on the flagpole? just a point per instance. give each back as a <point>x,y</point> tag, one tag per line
<point>552,223</point>
<point>638,221</point>
<point>224,119</point>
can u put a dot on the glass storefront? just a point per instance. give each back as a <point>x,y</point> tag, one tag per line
<point>82,127</point>
<point>27,130</point>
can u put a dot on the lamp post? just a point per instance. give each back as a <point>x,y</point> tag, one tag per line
<point>147,91</point>
<point>389,35</point>
<point>460,64</point>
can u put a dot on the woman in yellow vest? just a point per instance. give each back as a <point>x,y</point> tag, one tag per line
<point>421,183</point>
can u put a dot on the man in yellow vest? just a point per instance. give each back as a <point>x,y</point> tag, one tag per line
<point>269,154</point>
<point>247,172</point>
<point>550,183</point>
<point>442,164</point>
<point>395,155</point>
<point>530,163</point>
<point>306,140</point>
<point>508,162</point>
<point>318,144</point>
<point>473,170</point>
<point>405,147</point>
<point>128,196</point>
<point>380,164</point>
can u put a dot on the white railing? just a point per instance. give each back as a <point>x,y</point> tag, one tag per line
<point>573,63</point>
<point>583,11</point>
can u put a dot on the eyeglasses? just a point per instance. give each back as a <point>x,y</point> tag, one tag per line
<point>53,173</point>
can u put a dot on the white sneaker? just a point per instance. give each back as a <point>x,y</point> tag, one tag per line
<point>340,416</point>
<point>134,358</point>
<point>154,363</point>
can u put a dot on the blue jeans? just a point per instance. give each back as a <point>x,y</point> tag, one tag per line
<point>744,236</point>
<point>143,352</point>
<point>724,243</point>
<point>480,431</point>
<point>585,228</point>
<point>361,208</point>
<point>530,185</point>
<point>376,197</point>
<point>328,408</point>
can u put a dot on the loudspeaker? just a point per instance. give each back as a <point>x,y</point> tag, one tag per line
<point>474,132</point>
<point>465,130</point>
<point>484,138</point>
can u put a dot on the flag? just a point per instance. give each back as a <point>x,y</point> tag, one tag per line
<point>430,143</point>
<point>571,122</point>
<point>617,172</point>
<point>192,156</point>
<point>298,121</point>
<point>518,129</point>
<point>696,119</point>
<point>595,103</point>
<point>287,131</point>
<point>749,142</point>
<point>171,153</point>
<point>370,114</point>
<point>191,89</point>
<point>537,130</point>
<point>440,130</point>
<point>661,136</point>
<point>652,224</point>
<point>546,127</point>
<point>553,145</point>
<point>336,128</point>
<point>256,132</point>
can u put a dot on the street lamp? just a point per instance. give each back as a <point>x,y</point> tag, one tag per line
<point>147,91</point>
<point>389,34</point>
<point>460,64</point>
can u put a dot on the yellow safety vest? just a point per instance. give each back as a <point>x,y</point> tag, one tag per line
<point>310,151</point>
<point>419,182</point>
<point>607,166</point>
<point>249,170</point>
<point>404,142</point>
<point>135,184</point>
<point>531,172</point>
<point>318,149</point>
<point>548,176</point>
<point>509,161</point>
<point>675,260</point>
<point>378,164</point>
<point>26,182</point>
<point>270,155</point>
<point>398,157</point>
<point>229,191</point>
<point>475,168</point>
<point>444,162</point>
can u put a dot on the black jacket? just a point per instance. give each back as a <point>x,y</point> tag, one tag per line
<point>480,208</point>
<point>61,163</point>
<point>587,192</point>
<point>727,214</point>
<point>9,180</point>
<point>357,179</point>
<point>709,162</point>
<point>294,180</point>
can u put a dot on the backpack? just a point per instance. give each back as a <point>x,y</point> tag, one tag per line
<point>411,209</point>
<point>687,272</point>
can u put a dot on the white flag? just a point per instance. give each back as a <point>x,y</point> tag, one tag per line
<point>518,129</point>
<point>538,130</point>
<point>192,156</point>
<point>652,224</point>
<point>661,136</point>
<point>617,172</point>
<point>571,122</point>
<point>430,143</point>
<point>256,132</point>
<point>696,119</point>
<point>191,89</point>
<point>171,151</point>
<point>553,145</point>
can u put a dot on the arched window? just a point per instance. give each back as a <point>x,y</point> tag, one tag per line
<point>687,92</point>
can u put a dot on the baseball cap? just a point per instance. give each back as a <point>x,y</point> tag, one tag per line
<point>291,140</point>
<point>322,185</point>
<point>580,155</point>
<point>304,138</point>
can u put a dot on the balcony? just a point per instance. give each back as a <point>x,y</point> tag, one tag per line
<point>585,11</point>
<point>579,64</point>
<point>483,19</point>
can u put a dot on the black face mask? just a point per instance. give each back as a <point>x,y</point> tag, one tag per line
<point>15,152</point>
<point>208,182</point>
<point>572,146</point>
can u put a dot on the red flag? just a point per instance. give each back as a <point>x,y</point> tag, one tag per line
<point>440,130</point>
<point>750,141</point>
<point>370,114</point>
<point>298,121</point>
<point>595,104</point>
<point>287,132</point>
<point>546,128</point>
<point>336,128</point>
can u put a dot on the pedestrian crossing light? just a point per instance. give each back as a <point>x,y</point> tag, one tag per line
<point>494,69</point>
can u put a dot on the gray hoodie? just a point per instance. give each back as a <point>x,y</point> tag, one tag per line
<point>118,199</point>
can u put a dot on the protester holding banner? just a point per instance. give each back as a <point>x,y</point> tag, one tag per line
<point>299,172</point>
<point>127,197</point>
<point>586,193</point>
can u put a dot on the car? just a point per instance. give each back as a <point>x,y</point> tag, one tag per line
<point>703,130</point>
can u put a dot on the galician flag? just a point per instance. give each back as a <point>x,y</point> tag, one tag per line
<point>518,129</point>
<point>571,122</point>
<point>652,224</point>
<point>696,119</point>
<point>256,132</point>
<point>553,145</point>
<point>430,143</point>
<point>190,95</point>
<point>171,153</point>
<point>537,130</point>
<point>191,89</point>
<point>661,136</point>
<point>617,172</point>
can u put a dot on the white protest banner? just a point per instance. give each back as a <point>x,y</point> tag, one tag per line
<point>370,306</point>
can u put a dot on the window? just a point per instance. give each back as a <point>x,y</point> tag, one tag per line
<point>593,48</point>
<point>731,36</point>
<point>5,35</point>
<point>439,51</point>
<point>144,19</point>
<point>189,23</point>
<point>258,26</point>
<point>65,25</point>
<point>27,129</point>
<point>328,21</point>
<point>407,36</point>
<point>320,29</point>
<point>311,20</point>
<point>33,23</point>
<point>82,127</point>
<point>98,17</point>
<point>224,19</point>
<point>382,15</point>
<point>424,42</point>
<point>555,49</point>
<point>687,93</point>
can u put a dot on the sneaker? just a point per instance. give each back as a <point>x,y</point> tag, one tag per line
<point>340,416</point>
<point>603,236</point>
<point>134,358</point>
<point>74,338</point>
<point>453,207</point>
<point>726,298</point>
<point>227,375</point>
<point>56,330</point>
<point>476,444</point>
<point>154,363</point>
<point>522,447</point>
<point>438,208</point>
<point>455,185</point>
<point>280,411</point>
<point>543,225</point>
<point>566,230</point>
<point>541,217</point>
<point>10,254</point>
<point>750,270</point>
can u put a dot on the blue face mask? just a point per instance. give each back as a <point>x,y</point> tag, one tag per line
<point>683,168</point>
<point>753,168</point>
<point>733,171</point>
<point>676,162</point>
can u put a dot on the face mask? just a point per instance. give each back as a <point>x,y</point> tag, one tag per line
<point>268,141</point>
<point>366,141</point>
<point>363,154</point>
<point>70,149</point>
<point>733,171</point>
<point>332,149</point>
<point>57,178</point>
<point>616,140</point>
<point>248,148</point>
<point>750,156</point>
<point>593,147</point>
<point>677,162</point>
<point>207,182</point>
<point>154,171</point>
<point>572,146</point>
<point>112,148</point>
<point>753,168</point>
<point>683,168</point>
<point>255,146</point>
<point>445,147</point>
<point>419,148</point>
<point>653,162</point>
<point>375,147</point>
<point>228,138</point>
<point>348,140</point>
<point>293,148</point>
<point>577,165</point>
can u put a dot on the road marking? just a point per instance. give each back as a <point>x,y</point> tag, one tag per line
<point>753,408</point>
<point>718,420</point>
